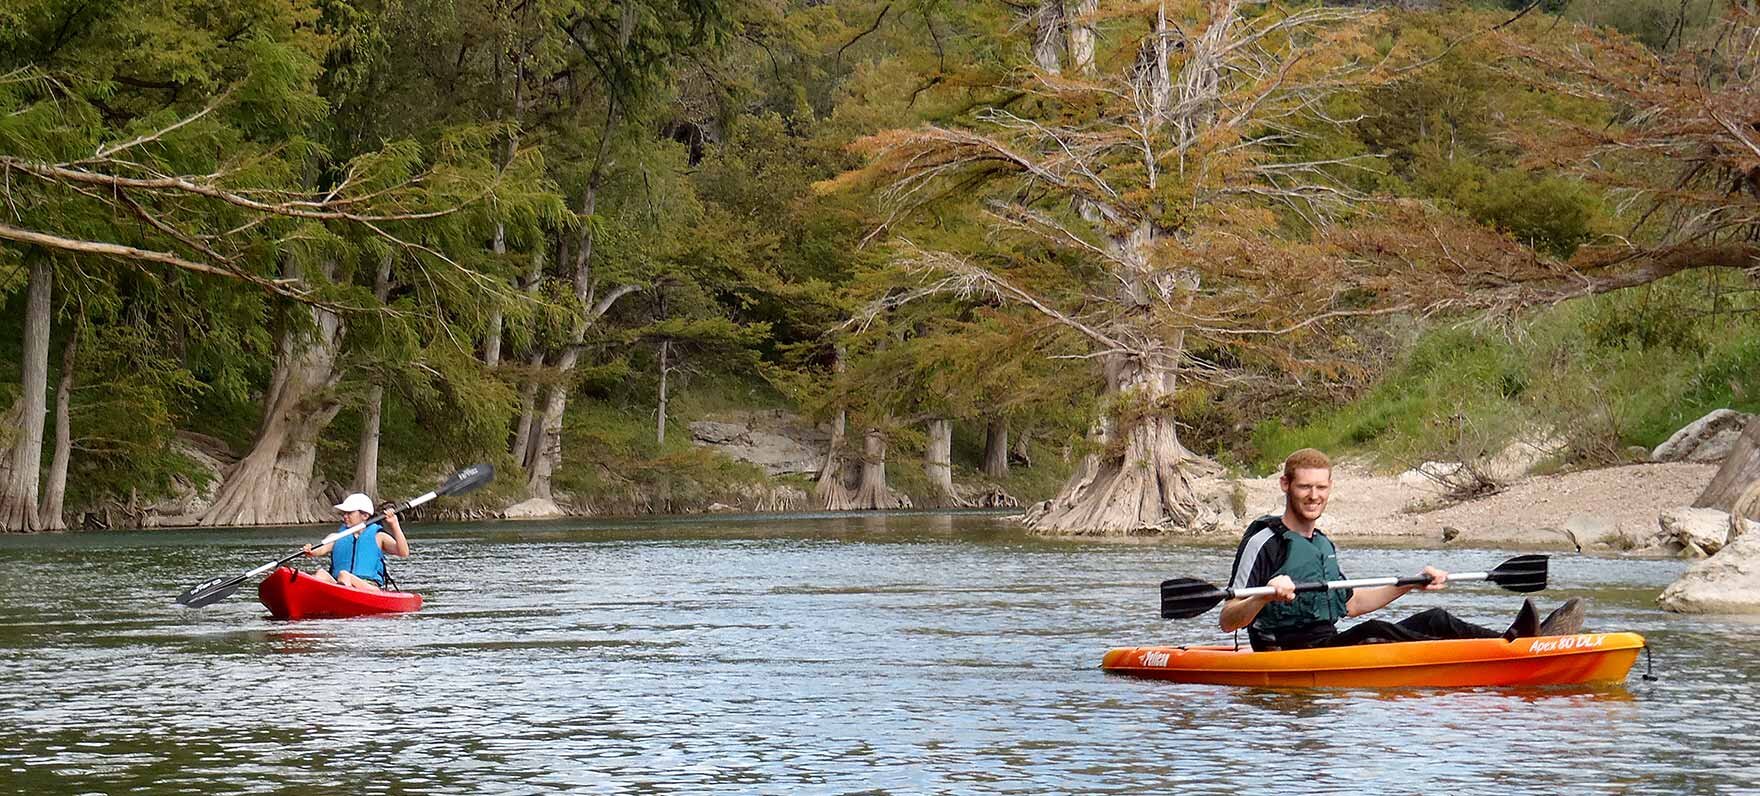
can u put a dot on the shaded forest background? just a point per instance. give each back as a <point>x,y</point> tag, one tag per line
<point>353,245</point>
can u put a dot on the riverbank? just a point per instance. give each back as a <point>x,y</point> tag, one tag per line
<point>1606,508</point>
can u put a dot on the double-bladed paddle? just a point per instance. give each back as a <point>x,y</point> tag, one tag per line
<point>1184,598</point>
<point>212,591</point>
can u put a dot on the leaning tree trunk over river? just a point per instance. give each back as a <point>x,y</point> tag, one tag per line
<point>18,491</point>
<point>1740,470</point>
<point>272,484</point>
<point>938,465</point>
<point>55,490</point>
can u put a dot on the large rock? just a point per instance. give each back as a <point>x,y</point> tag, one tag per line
<point>1726,583</point>
<point>779,442</point>
<point>534,509</point>
<point>1221,504</point>
<point>1694,532</point>
<point>1708,439</point>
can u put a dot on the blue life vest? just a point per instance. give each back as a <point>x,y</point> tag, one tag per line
<point>359,554</point>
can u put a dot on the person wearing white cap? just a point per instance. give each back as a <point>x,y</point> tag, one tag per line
<point>358,560</point>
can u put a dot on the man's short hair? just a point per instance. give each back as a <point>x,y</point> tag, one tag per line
<point>1305,459</point>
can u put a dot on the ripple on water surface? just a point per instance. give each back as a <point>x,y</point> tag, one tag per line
<point>905,654</point>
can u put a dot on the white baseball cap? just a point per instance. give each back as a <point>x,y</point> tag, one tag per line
<point>356,502</point>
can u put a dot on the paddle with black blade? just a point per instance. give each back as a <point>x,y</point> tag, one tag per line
<point>212,591</point>
<point>1184,598</point>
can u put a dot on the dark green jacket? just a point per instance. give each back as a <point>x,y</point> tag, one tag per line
<point>1269,549</point>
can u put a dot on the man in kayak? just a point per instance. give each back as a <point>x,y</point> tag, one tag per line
<point>358,560</point>
<point>1278,551</point>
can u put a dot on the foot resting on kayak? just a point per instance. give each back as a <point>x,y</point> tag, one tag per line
<point>358,560</point>
<point>1527,624</point>
<point>1565,620</point>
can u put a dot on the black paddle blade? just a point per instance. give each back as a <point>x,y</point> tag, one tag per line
<point>210,591</point>
<point>1520,574</point>
<point>466,480</point>
<point>1184,598</point>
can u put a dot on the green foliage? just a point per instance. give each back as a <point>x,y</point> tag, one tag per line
<point>1599,375</point>
<point>1659,24</point>
<point>1552,214</point>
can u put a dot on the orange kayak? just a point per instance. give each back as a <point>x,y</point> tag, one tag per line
<point>1545,660</point>
<point>292,594</point>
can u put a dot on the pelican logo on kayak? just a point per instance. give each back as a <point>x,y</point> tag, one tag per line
<point>1153,658</point>
<point>1569,643</point>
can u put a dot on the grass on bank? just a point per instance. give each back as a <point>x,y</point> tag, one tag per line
<point>1601,375</point>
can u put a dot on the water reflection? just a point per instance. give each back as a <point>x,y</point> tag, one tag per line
<point>920,653</point>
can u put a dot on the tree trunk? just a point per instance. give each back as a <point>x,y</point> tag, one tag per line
<point>996,448</point>
<point>523,436</point>
<point>366,463</point>
<point>55,490</point>
<point>837,478</point>
<point>660,414</point>
<point>1740,470</point>
<point>836,485</point>
<point>546,453</point>
<point>1081,35</point>
<point>272,484</point>
<point>1136,484</point>
<point>492,337</point>
<point>18,492</point>
<point>1019,452</point>
<point>872,492</point>
<point>528,391</point>
<point>1048,35</point>
<point>938,465</point>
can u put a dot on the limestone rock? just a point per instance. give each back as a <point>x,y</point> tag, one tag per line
<point>1726,583</point>
<point>1518,459</point>
<point>536,508</point>
<point>1693,532</point>
<point>780,442</point>
<point>1708,439</point>
<point>1217,503</point>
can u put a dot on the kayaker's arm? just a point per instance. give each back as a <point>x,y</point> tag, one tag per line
<point>394,543</point>
<point>1373,598</point>
<point>1241,611</point>
<point>320,550</point>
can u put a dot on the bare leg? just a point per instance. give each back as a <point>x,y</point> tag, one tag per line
<point>323,576</point>
<point>349,580</point>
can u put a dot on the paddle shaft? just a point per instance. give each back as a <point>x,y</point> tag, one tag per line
<point>1356,583</point>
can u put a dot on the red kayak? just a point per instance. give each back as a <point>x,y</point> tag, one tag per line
<point>292,594</point>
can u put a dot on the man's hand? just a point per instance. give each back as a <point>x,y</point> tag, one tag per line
<point>1286,589</point>
<point>1438,579</point>
<point>308,551</point>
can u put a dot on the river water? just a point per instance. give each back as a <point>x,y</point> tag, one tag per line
<point>913,653</point>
